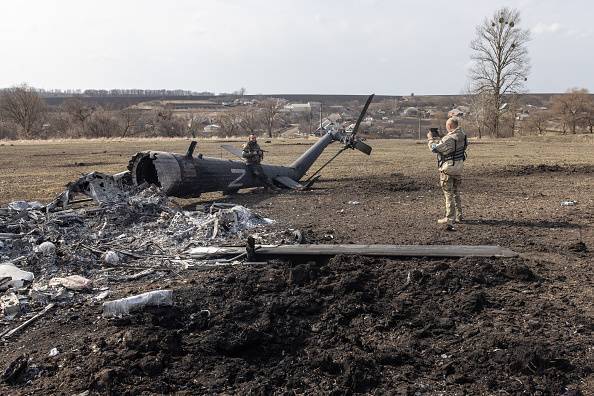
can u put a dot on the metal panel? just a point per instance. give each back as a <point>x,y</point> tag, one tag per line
<point>365,250</point>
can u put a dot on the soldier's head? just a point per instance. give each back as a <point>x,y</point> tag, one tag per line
<point>452,124</point>
<point>253,138</point>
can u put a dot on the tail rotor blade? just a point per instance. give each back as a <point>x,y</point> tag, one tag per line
<point>362,115</point>
<point>362,147</point>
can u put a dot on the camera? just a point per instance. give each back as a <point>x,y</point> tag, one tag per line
<point>434,132</point>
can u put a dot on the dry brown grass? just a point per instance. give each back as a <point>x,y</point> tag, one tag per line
<point>38,170</point>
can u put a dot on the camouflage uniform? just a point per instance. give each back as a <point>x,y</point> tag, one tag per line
<point>450,156</point>
<point>252,153</point>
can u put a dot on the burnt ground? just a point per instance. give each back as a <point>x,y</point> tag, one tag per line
<point>354,325</point>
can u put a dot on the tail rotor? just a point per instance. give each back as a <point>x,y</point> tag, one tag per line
<point>352,140</point>
<point>349,140</point>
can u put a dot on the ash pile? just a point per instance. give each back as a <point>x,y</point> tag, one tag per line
<point>59,254</point>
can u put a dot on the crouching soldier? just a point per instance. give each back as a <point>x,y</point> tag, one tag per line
<point>451,154</point>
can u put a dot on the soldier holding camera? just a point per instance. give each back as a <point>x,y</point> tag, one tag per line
<point>451,154</point>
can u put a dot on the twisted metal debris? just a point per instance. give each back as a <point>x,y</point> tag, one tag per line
<point>50,254</point>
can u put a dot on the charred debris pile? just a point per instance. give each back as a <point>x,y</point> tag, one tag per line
<point>51,254</point>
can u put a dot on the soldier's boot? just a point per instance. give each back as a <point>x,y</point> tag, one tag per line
<point>447,222</point>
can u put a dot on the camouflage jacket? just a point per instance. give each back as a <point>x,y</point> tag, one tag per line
<point>252,153</point>
<point>452,144</point>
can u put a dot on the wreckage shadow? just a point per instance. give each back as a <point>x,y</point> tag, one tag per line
<point>246,197</point>
<point>253,196</point>
<point>523,223</point>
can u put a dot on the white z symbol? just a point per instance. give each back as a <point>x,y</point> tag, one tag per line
<point>236,183</point>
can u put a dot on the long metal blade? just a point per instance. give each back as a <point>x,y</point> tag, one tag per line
<point>364,250</point>
<point>362,115</point>
<point>362,147</point>
<point>233,150</point>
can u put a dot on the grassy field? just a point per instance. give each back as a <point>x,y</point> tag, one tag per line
<point>38,170</point>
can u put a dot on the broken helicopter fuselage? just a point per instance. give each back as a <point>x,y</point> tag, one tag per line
<point>187,176</point>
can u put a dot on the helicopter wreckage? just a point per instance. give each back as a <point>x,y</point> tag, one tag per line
<point>188,175</point>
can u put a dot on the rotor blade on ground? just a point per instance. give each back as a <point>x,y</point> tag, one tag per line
<point>362,115</point>
<point>362,147</point>
<point>363,250</point>
<point>233,150</point>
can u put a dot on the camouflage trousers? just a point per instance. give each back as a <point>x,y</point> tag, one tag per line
<point>451,191</point>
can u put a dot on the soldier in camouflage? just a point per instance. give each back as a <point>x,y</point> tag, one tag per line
<point>451,154</point>
<point>252,152</point>
<point>253,155</point>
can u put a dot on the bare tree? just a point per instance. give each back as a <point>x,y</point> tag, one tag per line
<point>24,107</point>
<point>250,119</point>
<point>101,124</point>
<point>508,119</point>
<point>171,127</point>
<point>129,118</point>
<point>240,92</point>
<point>271,108</point>
<point>7,130</point>
<point>572,107</point>
<point>538,121</point>
<point>589,116</point>
<point>500,61</point>
<point>165,113</point>
<point>229,122</point>
<point>58,125</point>
<point>79,110</point>
<point>197,123</point>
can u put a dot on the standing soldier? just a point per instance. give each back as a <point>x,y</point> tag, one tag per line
<point>252,152</point>
<point>254,155</point>
<point>451,154</point>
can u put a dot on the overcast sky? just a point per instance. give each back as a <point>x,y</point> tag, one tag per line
<point>281,46</point>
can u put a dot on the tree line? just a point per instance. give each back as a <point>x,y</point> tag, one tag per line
<point>25,115</point>
<point>48,93</point>
<point>568,113</point>
<point>263,118</point>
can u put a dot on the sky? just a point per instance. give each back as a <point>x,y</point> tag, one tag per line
<point>281,46</point>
